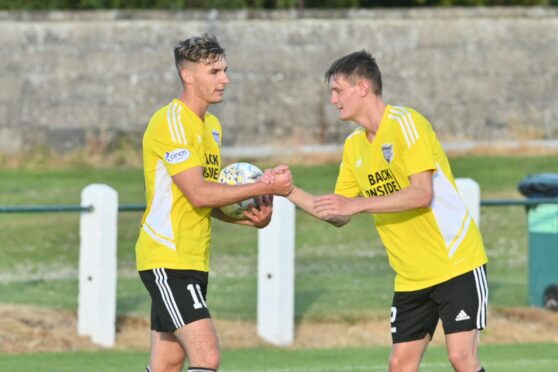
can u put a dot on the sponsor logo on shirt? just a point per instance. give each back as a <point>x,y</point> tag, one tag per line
<point>177,156</point>
<point>211,167</point>
<point>382,182</point>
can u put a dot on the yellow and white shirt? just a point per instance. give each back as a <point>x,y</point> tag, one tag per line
<point>425,246</point>
<point>174,234</point>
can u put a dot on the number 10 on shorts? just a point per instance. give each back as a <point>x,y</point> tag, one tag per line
<point>197,296</point>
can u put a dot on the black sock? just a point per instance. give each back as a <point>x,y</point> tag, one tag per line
<point>482,369</point>
<point>201,369</point>
<point>147,369</point>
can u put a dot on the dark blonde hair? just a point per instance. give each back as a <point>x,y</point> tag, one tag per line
<point>204,48</point>
<point>357,65</point>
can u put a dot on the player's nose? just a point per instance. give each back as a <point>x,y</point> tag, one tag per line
<point>333,99</point>
<point>225,79</point>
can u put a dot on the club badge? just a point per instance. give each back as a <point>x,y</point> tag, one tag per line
<point>216,137</point>
<point>387,150</point>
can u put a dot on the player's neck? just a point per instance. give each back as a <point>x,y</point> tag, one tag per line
<point>371,116</point>
<point>198,106</point>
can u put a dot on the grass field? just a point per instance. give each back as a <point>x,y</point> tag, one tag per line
<point>41,250</point>
<point>341,274</point>
<point>508,358</point>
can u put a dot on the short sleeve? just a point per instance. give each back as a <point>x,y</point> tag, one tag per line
<point>346,182</point>
<point>418,151</point>
<point>176,157</point>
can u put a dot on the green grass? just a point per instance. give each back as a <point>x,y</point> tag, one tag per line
<point>499,176</point>
<point>63,186</point>
<point>340,273</point>
<point>495,358</point>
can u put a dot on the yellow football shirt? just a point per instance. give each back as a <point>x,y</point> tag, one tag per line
<point>425,246</point>
<point>174,234</point>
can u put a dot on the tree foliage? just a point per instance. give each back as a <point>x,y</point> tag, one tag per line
<point>254,4</point>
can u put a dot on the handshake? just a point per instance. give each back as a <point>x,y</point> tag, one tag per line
<point>279,180</point>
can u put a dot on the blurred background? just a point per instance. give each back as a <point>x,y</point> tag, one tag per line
<point>88,74</point>
<point>81,78</point>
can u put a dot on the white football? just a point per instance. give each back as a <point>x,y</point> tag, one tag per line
<point>239,174</point>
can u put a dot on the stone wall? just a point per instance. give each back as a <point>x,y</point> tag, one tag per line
<point>476,73</point>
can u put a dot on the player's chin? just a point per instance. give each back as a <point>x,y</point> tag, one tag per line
<point>342,115</point>
<point>218,95</point>
<point>216,100</point>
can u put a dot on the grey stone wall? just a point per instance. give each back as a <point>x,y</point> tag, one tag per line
<point>477,73</point>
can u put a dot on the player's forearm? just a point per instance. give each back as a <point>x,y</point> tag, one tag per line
<point>204,194</point>
<point>217,213</point>
<point>407,199</point>
<point>417,195</point>
<point>213,195</point>
<point>305,201</point>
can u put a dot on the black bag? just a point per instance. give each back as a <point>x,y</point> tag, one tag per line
<point>542,185</point>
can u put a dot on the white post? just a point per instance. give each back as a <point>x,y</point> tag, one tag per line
<point>469,190</point>
<point>276,275</point>
<point>97,265</point>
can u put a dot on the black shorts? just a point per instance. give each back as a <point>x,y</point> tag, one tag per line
<point>177,297</point>
<point>459,302</point>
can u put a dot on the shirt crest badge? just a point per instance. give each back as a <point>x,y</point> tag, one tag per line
<point>216,136</point>
<point>387,150</point>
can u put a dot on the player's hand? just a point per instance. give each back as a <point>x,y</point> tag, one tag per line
<point>268,177</point>
<point>283,184</point>
<point>269,174</point>
<point>332,206</point>
<point>260,215</point>
<point>280,169</point>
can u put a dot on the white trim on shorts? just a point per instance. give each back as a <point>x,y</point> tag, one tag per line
<point>162,283</point>
<point>482,294</point>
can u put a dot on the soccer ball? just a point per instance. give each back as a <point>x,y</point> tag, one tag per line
<point>239,174</point>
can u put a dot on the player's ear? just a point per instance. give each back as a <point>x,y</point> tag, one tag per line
<point>186,75</point>
<point>364,87</point>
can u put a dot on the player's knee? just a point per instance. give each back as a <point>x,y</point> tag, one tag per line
<point>394,363</point>
<point>173,364</point>
<point>214,360</point>
<point>168,362</point>
<point>211,360</point>
<point>397,364</point>
<point>461,359</point>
